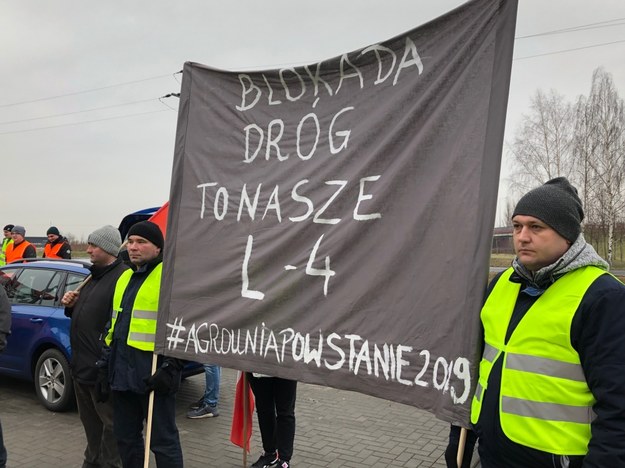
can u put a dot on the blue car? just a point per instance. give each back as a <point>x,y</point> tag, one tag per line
<point>38,348</point>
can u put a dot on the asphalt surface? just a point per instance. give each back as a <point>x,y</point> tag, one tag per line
<point>334,428</point>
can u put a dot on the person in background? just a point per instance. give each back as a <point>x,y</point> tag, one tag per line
<point>5,241</point>
<point>275,408</point>
<point>206,407</point>
<point>126,363</point>
<point>57,245</point>
<point>5,330</point>
<point>20,248</point>
<point>551,387</point>
<point>90,312</point>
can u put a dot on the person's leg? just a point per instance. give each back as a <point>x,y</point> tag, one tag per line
<point>165,441</point>
<point>3,450</point>
<point>91,424</point>
<point>285,393</point>
<point>109,455</point>
<point>265,410</point>
<point>128,415</point>
<point>213,378</point>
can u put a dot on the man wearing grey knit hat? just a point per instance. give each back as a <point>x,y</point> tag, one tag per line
<point>552,376</point>
<point>90,311</point>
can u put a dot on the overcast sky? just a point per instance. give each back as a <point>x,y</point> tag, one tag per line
<point>85,139</point>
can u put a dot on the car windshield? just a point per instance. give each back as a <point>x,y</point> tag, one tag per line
<point>33,286</point>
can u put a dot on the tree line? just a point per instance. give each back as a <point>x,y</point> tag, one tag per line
<point>583,140</point>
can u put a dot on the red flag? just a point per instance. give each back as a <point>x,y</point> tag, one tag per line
<point>160,218</point>
<point>237,430</point>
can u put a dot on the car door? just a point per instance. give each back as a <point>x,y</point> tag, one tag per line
<point>34,297</point>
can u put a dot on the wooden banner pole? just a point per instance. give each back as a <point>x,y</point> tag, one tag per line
<point>148,426</point>
<point>246,406</point>
<point>461,444</point>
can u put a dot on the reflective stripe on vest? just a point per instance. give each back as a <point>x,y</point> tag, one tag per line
<point>545,402</point>
<point>142,331</point>
<point>51,251</point>
<point>3,257</point>
<point>16,253</point>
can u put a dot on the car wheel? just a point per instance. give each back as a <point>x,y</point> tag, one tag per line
<point>53,383</point>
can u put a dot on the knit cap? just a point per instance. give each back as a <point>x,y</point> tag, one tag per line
<point>107,238</point>
<point>555,203</point>
<point>53,230</point>
<point>8,227</point>
<point>148,230</point>
<point>19,230</point>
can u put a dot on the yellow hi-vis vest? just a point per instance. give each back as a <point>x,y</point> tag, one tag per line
<point>3,250</point>
<point>544,400</point>
<point>142,332</point>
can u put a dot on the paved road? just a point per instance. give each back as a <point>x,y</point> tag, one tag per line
<point>334,428</point>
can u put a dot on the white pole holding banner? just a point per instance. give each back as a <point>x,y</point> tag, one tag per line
<point>461,443</point>
<point>148,426</point>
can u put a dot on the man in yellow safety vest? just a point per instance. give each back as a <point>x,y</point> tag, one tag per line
<point>551,388</point>
<point>5,242</point>
<point>127,362</point>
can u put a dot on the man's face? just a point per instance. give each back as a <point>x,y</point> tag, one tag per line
<point>52,237</point>
<point>141,250</point>
<point>7,234</point>
<point>98,256</point>
<point>536,244</point>
<point>17,238</point>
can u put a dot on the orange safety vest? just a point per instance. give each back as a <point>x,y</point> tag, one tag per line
<point>50,251</point>
<point>16,252</point>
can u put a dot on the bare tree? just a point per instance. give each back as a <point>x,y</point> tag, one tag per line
<point>600,153</point>
<point>542,147</point>
<point>505,215</point>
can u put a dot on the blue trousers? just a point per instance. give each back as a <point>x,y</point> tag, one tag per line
<point>129,411</point>
<point>213,378</point>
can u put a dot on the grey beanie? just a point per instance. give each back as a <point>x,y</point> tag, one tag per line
<point>557,204</point>
<point>107,238</point>
<point>19,230</point>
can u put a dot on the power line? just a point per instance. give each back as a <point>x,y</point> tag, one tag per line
<point>83,122</point>
<point>583,27</point>
<point>597,25</point>
<point>569,50</point>
<point>77,112</point>
<point>85,91</point>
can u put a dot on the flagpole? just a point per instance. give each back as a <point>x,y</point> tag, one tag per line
<point>246,404</point>
<point>82,285</point>
<point>461,444</point>
<point>148,427</point>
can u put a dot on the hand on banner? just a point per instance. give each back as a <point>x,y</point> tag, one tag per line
<point>166,379</point>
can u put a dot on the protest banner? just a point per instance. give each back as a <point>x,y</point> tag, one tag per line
<point>332,223</point>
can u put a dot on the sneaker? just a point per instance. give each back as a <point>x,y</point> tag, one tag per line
<point>197,404</point>
<point>205,411</point>
<point>283,464</point>
<point>266,460</point>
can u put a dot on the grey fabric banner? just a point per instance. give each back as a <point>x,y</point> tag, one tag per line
<point>332,223</point>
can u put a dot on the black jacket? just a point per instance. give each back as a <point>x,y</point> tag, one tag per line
<point>598,335</point>
<point>90,316</point>
<point>5,318</point>
<point>128,366</point>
